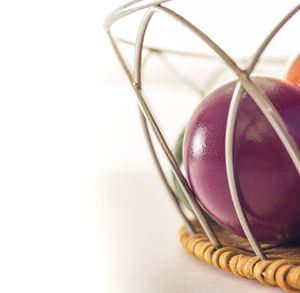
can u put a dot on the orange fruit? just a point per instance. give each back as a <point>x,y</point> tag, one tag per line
<point>293,74</point>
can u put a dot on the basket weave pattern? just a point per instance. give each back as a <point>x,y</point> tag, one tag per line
<point>282,269</point>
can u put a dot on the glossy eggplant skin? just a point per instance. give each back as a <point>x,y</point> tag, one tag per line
<point>267,180</point>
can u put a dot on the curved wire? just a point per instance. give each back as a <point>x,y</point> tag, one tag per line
<point>162,174</point>
<point>127,9</point>
<point>166,149</point>
<point>230,133</point>
<point>271,60</point>
<point>172,193</point>
<point>125,67</point>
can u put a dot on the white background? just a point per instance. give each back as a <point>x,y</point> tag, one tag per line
<point>80,201</point>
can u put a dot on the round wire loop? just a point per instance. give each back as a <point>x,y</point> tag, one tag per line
<point>244,83</point>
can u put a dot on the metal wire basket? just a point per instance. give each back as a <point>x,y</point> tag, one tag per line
<point>200,237</point>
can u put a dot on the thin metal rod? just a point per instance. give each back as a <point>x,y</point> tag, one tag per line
<point>127,9</point>
<point>181,77</point>
<point>230,134</point>
<point>166,149</point>
<point>272,60</point>
<point>269,38</point>
<point>199,33</point>
<point>137,67</point>
<point>126,70</point>
<point>132,82</point>
<point>172,194</point>
<point>231,176</point>
<point>274,119</point>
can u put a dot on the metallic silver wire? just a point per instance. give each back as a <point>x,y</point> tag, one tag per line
<point>176,202</point>
<point>127,9</point>
<point>230,133</point>
<point>138,93</point>
<point>199,33</point>
<point>167,151</point>
<point>271,60</point>
<point>229,161</point>
<point>137,74</point>
<point>181,77</point>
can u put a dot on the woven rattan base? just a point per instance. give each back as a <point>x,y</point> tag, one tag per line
<point>282,268</point>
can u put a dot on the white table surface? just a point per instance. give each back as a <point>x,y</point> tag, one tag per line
<point>141,250</point>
